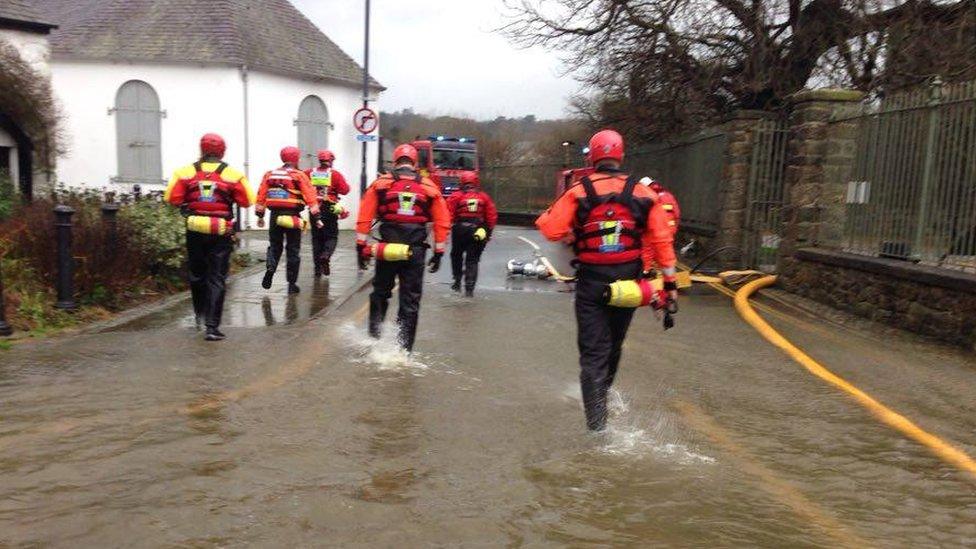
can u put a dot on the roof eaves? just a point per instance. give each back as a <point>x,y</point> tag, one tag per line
<point>37,26</point>
<point>356,83</point>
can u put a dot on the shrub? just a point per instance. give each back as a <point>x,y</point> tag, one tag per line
<point>145,254</point>
<point>158,230</point>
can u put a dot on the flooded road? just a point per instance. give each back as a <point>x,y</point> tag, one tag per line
<point>305,433</point>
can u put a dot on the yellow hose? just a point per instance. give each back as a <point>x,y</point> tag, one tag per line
<point>936,445</point>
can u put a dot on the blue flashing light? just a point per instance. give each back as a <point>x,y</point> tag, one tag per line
<point>446,139</point>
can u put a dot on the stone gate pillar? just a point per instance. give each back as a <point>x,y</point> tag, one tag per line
<point>820,155</point>
<point>734,189</point>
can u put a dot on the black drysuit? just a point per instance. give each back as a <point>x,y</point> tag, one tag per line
<point>325,240</point>
<point>410,274</point>
<point>601,330</point>
<point>287,240</point>
<point>208,260</point>
<point>466,253</point>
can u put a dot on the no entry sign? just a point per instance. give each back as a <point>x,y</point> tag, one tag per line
<point>365,121</point>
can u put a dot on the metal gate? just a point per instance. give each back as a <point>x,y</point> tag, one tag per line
<point>764,196</point>
<point>911,193</point>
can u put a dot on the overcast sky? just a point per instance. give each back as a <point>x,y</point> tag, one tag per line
<point>441,57</point>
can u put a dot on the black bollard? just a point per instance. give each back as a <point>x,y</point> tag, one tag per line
<point>66,266</point>
<point>5,329</point>
<point>110,220</point>
<point>137,192</point>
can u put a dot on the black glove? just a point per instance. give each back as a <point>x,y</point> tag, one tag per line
<point>362,256</point>
<point>435,262</point>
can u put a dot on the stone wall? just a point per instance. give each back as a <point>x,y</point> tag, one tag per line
<point>930,301</point>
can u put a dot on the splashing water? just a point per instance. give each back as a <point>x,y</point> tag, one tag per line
<point>384,353</point>
<point>639,434</point>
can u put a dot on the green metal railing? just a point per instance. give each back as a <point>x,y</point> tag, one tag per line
<point>912,189</point>
<point>692,169</point>
<point>521,188</point>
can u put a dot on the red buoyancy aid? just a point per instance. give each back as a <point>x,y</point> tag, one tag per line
<point>283,191</point>
<point>609,227</point>
<point>470,207</point>
<point>404,201</point>
<point>208,194</point>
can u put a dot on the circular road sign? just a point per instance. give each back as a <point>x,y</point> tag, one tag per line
<point>366,121</point>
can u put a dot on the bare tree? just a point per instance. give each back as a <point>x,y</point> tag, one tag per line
<point>26,98</point>
<point>654,67</point>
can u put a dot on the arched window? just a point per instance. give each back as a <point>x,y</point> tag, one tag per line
<point>313,129</point>
<point>137,128</point>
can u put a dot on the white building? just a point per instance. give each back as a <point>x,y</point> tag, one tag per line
<point>26,119</point>
<point>139,81</point>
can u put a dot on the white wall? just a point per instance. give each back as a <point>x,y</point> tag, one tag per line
<point>274,102</point>
<point>198,100</point>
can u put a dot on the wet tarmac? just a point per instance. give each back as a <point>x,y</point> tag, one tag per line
<point>306,433</point>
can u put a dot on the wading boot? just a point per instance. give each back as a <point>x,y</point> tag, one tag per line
<point>266,281</point>
<point>293,288</point>
<point>457,285</point>
<point>213,334</point>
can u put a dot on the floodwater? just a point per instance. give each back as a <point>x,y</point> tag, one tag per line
<point>309,434</point>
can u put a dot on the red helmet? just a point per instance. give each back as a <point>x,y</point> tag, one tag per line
<point>469,178</point>
<point>606,144</point>
<point>326,156</point>
<point>212,144</point>
<point>405,151</point>
<point>291,155</point>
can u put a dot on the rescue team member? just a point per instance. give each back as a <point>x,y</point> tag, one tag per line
<point>329,185</point>
<point>206,192</point>
<point>474,216</point>
<point>667,200</point>
<point>286,191</point>
<point>404,202</point>
<point>619,232</point>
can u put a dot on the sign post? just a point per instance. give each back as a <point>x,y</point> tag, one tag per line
<point>362,176</point>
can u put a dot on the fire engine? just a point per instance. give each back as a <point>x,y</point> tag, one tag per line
<point>444,159</point>
<point>566,178</point>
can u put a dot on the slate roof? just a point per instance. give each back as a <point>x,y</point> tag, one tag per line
<point>22,13</point>
<point>269,35</point>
